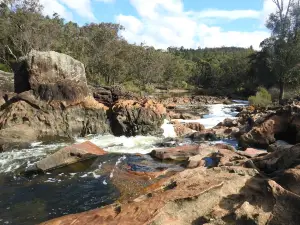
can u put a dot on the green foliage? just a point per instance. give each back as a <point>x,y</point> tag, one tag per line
<point>130,86</point>
<point>262,98</point>
<point>4,68</point>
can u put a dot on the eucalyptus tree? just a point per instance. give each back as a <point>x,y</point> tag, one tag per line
<point>283,47</point>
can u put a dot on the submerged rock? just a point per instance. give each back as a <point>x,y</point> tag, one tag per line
<point>69,155</point>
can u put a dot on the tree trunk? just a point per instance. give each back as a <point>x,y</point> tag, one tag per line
<point>281,92</point>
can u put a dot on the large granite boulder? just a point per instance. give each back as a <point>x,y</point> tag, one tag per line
<point>68,155</point>
<point>51,100</point>
<point>51,76</point>
<point>39,120</point>
<point>131,118</point>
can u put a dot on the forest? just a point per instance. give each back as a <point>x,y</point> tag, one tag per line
<point>109,59</point>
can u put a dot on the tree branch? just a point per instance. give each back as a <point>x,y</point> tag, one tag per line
<point>11,53</point>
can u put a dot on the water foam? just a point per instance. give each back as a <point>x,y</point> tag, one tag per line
<point>217,113</point>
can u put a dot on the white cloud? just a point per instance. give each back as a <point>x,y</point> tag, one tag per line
<point>227,14</point>
<point>164,23</point>
<point>51,7</point>
<point>66,8</point>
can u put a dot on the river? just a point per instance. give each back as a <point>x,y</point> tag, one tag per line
<point>33,199</point>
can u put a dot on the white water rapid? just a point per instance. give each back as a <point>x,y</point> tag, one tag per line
<point>12,160</point>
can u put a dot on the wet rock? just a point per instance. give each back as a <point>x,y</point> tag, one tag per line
<point>179,153</point>
<point>205,135</point>
<point>69,155</point>
<point>227,102</point>
<point>190,190</point>
<point>131,118</point>
<point>17,137</point>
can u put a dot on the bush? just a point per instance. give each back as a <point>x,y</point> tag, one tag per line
<point>261,99</point>
<point>130,86</point>
<point>4,68</point>
<point>274,92</point>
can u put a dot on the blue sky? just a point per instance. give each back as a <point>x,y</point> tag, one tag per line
<point>164,23</point>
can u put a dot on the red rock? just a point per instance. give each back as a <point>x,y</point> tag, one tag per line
<point>177,153</point>
<point>252,152</point>
<point>69,155</point>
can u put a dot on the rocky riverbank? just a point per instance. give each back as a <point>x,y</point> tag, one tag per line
<point>105,147</point>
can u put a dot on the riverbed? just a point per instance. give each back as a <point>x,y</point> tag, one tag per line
<point>31,199</point>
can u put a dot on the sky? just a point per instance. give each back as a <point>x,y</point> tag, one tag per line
<point>176,23</point>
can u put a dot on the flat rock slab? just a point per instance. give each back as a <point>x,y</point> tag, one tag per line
<point>180,153</point>
<point>69,155</point>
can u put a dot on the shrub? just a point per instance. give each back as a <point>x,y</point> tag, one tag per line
<point>261,99</point>
<point>130,86</point>
<point>4,68</point>
<point>274,92</point>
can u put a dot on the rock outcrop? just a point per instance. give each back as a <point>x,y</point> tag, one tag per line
<point>131,118</point>
<point>267,192</point>
<point>52,101</point>
<point>68,155</point>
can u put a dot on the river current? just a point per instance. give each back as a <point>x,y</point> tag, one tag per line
<point>33,199</point>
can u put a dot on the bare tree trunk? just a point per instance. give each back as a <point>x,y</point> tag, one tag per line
<point>281,90</point>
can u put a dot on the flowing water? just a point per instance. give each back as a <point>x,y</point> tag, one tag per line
<point>33,199</point>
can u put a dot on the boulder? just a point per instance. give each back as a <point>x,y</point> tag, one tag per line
<point>264,135</point>
<point>69,155</point>
<point>188,116</point>
<point>278,145</point>
<point>131,118</point>
<point>40,120</point>
<point>51,76</point>
<point>17,137</point>
<point>102,95</point>
<point>205,135</point>
<point>282,159</point>
<point>228,123</point>
<point>195,126</point>
<point>179,153</point>
<point>182,129</point>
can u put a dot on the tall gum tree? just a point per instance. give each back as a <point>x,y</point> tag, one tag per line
<point>283,47</point>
